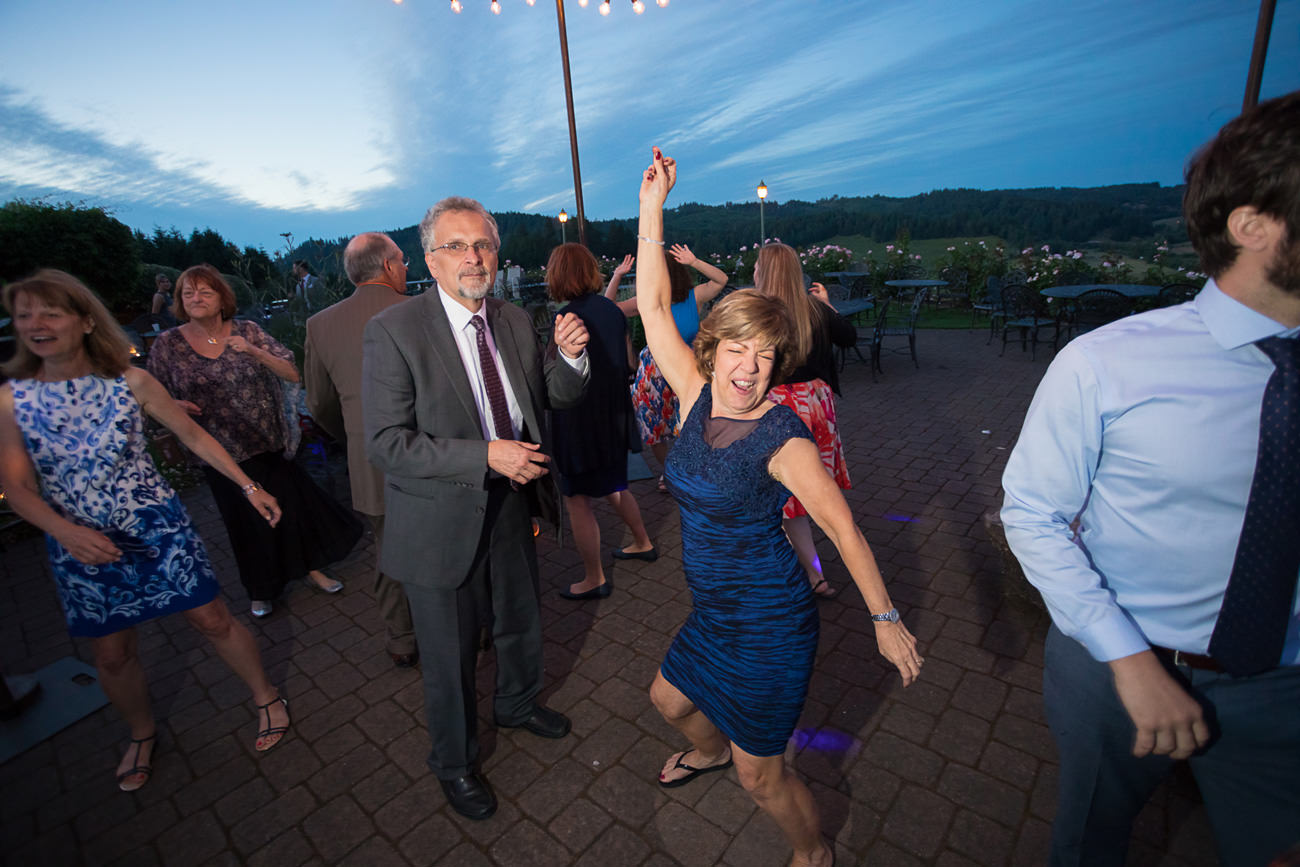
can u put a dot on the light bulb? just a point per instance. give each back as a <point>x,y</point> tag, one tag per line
<point>638,7</point>
<point>455,6</point>
<point>496,7</point>
<point>662,3</point>
<point>583,3</point>
<point>532,2</point>
<point>604,8</point>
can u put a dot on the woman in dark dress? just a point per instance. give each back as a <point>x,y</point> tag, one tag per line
<point>592,439</point>
<point>122,547</point>
<point>226,373</point>
<point>811,387</point>
<point>736,676</point>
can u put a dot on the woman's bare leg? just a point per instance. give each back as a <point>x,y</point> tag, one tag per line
<point>586,539</point>
<point>709,746</point>
<point>625,506</point>
<point>799,532</point>
<point>781,795</point>
<point>237,647</point>
<point>121,676</point>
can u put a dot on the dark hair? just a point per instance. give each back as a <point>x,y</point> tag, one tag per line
<point>1255,161</point>
<point>107,345</point>
<point>207,274</point>
<point>679,280</point>
<point>572,272</point>
<point>747,315</point>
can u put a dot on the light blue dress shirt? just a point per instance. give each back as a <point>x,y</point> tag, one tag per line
<point>1146,431</point>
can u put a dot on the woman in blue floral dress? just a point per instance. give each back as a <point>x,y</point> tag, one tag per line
<point>73,463</point>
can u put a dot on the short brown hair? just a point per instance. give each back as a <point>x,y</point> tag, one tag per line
<point>107,345</point>
<point>747,315</point>
<point>572,272</point>
<point>206,274</point>
<point>1255,161</point>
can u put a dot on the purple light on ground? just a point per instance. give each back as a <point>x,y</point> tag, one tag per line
<point>823,740</point>
<point>894,516</point>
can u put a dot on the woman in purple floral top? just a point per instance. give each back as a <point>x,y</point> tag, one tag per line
<point>227,374</point>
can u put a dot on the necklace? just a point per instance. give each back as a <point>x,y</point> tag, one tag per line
<point>212,340</point>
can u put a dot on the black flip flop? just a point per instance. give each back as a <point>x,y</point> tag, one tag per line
<point>694,772</point>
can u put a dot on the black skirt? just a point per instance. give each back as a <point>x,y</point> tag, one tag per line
<point>314,530</point>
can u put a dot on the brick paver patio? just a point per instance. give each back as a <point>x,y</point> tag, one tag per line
<point>957,770</point>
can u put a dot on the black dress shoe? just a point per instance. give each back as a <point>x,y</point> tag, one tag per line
<point>600,591</point>
<point>648,556</point>
<point>404,660</point>
<point>543,722</point>
<point>470,796</point>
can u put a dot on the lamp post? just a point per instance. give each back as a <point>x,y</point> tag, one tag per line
<point>762,223</point>
<point>638,6</point>
<point>564,218</point>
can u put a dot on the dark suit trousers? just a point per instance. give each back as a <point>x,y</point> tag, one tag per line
<point>503,580</point>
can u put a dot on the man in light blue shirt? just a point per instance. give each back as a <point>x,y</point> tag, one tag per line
<point>1147,431</point>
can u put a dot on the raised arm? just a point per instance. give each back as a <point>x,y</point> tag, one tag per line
<point>798,466</point>
<point>705,292</point>
<point>627,305</point>
<point>675,359</point>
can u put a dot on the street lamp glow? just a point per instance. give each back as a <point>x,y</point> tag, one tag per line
<point>762,190</point>
<point>762,222</point>
<point>564,218</point>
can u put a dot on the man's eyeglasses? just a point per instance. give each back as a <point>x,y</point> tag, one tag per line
<point>406,261</point>
<point>460,248</point>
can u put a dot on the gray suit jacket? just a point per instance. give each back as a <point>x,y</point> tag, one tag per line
<point>423,431</point>
<point>332,370</point>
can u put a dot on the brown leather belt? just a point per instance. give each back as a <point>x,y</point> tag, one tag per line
<point>1191,660</point>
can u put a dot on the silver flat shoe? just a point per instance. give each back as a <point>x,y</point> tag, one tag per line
<point>260,609</point>
<point>334,585</point>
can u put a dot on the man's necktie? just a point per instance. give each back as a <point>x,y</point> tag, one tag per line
<point>1251,629</point>
<point>496,392</point>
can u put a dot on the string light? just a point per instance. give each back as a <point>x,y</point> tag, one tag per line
<point>455,6</point>
<point>604,8</point>
<point>496,7</point>
<point>638,7</point>
<point>662,3</point>
<point>583,3</point>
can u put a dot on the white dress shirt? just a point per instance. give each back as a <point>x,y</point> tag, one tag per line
<point>467,342</point>
<point>1147,431</point>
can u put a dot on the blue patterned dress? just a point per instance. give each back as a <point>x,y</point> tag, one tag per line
<point>85,437</point>
<point>745,654</point>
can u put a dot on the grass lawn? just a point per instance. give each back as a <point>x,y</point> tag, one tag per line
<point>931,250</point>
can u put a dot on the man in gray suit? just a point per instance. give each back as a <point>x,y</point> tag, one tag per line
<point>332,368</point>
<point>455,401</point>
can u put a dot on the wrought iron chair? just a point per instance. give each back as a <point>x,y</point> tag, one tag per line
<point>991,304</point>
<point>1025,310</point>
<point>1095,308</point>
<point>883,330</point>
<point>1176,293</point>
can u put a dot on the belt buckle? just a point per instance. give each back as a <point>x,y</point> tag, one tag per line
<point>1178,659</point>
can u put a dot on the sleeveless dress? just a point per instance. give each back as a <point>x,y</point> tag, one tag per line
<point>85,437</point>
<point>745,654</point>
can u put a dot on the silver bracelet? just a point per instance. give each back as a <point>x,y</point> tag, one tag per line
<point>649,240</point>
<point>249,490</point>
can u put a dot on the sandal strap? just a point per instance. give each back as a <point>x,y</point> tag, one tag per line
<point>270,729</point>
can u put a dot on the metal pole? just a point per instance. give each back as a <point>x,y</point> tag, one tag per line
<point>1263,27</point>
<point>573,127</point>
<point>564,235</point>
<point>762,223</point>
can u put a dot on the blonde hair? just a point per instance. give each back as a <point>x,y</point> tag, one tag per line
<point>107,345</point>
<point>747,315</point>
<point>778,274</point>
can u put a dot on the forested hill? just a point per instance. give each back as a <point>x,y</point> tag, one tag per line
<point>1051,215</point>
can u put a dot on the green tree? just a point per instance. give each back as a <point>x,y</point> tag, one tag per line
<point>86,242</point>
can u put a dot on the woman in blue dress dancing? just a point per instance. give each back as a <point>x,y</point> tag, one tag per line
<point>736,676</point>
<point>74,463</point>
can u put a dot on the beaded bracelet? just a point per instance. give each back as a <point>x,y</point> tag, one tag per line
<point>649,240</point>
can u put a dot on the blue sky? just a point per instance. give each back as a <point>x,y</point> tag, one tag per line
<point>329,117</point>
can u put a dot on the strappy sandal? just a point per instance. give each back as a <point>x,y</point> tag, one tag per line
<point>824,590</point>
<point>269,731</point>
<point>663,486</point>
<point>139,769</point>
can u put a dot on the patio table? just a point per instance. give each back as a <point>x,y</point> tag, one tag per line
<point>1128,290</point>
<point>916,284</point>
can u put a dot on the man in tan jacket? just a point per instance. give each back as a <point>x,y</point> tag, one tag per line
<point>333,372</point>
